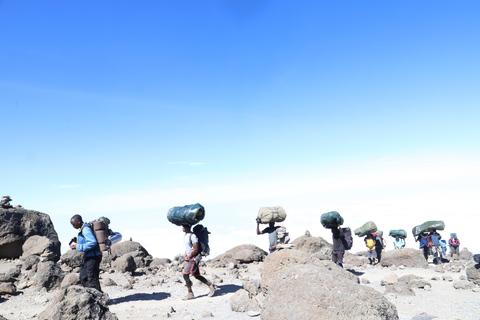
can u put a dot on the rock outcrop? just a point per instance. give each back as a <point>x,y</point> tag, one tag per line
<point>312,292</point>
<point>76,302</point>
<point>277,262</point>
<point>406,257</point>
<point>313,245</point>
<point>245,253</point>
<point>18,224</point>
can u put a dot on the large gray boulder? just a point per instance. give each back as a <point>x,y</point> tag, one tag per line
<point>36,245</point>
<point>473,273</point>
<point>123,247</point>
<point>277,262</point>
<point>312,292</point>
<point>242,302</point>
<point>245,253</point>
<point>407,257</point>
<point>72,258</point>
<point>18,224</point>
<point>465,254</point>
<point>49,275</point>
<point>77,302</point>
<point>125,263</point>
<point>313,244</point>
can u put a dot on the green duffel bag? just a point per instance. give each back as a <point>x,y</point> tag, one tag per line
<point>368,227</point>
<point>428,226</point>
<point>401,233</point>
<point>331,219</point>
<point>271,214</point>
<point>186,215</point>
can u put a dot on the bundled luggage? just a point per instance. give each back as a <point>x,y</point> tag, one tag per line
<point>428,226</point>
<point>401,233</point>
<point>186,215</point>
<point>105,236</point>
<point>368,227</point>
<point>331,219</point>
<point>271,214</point>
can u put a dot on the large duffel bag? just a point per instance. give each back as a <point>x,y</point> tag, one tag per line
<point>368,227</point>
<point>401,233</point>
<point>186,215</point>
<point>271,214</point>
<point>331,219</point>
<point>428,226</point>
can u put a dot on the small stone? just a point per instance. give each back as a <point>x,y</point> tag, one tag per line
<point>206,314</point>
<point>253,313</point>
<point>365,281</point>
<point>391,295</point>
<point>401,267</point>
<point>448,278</point>
<point>427,288</point>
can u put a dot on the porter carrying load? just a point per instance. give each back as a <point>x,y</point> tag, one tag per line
<point>271,214</point>
<point>331,219</point>
<point>368,227</point>
<point>428,226</point>
<point>402,234</point>
<point>186,215</point>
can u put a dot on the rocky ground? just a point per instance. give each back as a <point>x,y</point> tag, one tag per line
<point>156,296</point>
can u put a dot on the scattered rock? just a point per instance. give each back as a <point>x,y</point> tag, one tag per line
<point>419,283</point>
<point>125,263</point>
<point>406,257</point>
<point>252,313</point>
<point>389,279</point>
<point>7,288</point>
<point>49,275</point>
<point>246,253</point>
<point>448,278</point>
<point>79,303</point>
<point>297,291</point>
<point>465,254</point>
<point>313,244</point>
<point>463,284</point>
<point>242,302</point>
<point>473,273</point>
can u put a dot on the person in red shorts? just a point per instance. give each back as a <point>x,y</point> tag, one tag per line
<point>193,257</point>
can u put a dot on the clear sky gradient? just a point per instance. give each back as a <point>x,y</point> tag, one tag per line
<point>125,109</point>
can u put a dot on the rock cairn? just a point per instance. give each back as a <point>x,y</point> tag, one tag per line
<point>5,202</point>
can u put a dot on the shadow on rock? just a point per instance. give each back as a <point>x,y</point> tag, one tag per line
<point>157,296</point>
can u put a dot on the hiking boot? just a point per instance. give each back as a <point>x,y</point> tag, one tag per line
<point>189,296</point>
<point>212,290</point>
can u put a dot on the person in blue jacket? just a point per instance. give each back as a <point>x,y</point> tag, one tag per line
<point>87,243</point>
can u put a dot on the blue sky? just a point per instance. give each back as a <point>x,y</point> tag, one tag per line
<point>126,109</point>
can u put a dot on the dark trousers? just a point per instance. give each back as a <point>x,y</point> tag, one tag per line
<point>337,257</point>
<point>90,272</point>
<point>378,249</point>
<point>426,252</point>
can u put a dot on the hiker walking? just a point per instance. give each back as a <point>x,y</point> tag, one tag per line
<point>272,234</point>
<point>423,238</point>
<point>192,256</point>
<point>338,239</point>
<point>379,244</point>
<point>436,246</point>
<point>87,243</point>
<point>370,240</point>
<point>454,244</point>
<point>399,243</point>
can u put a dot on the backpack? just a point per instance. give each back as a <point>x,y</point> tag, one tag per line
<point>102,233</point>
<point>348,240</point>
<point>202,235</point>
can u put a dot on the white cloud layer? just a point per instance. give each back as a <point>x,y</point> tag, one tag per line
<point>395,194</point>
